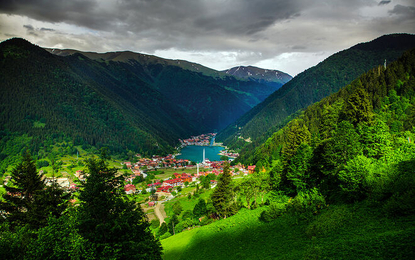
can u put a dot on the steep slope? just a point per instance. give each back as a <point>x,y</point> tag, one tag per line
<point>49,97</point>
<point>273,78</point>
<point>341,178</point>
<point>311,86</point>
<point>211,99</point>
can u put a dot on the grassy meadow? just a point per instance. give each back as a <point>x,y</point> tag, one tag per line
<point>358,231</point>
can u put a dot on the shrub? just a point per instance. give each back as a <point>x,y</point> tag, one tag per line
<point>165,235</point>
<point>306,203</point>
<point>274,210</point>
<point>353,177</point>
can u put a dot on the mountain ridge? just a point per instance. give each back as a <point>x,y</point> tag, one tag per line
<point>311,86</point>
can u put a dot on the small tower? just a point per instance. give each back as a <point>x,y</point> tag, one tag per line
<point>204,155</point>
<point>384,65</point>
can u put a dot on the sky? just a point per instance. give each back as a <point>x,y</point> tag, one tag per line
<point>287,35</point>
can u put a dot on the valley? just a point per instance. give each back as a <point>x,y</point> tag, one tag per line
<point>126,150</point>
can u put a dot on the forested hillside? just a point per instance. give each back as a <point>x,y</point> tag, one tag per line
<point>46,99</point>
<point>355,143</point>
<point>311,86</point>
<point>339,181</point>
<point>210,99</point>
<point>125,101</point>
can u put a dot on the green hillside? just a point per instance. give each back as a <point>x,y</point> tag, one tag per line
<point>210,99</point>
<point>341,232</point>
<point>125,101</point>
<point>50,99</point>
<point>311,86</point>
<point>341,181</point>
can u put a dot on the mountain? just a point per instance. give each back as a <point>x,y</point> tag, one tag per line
<point>211,99</point>
<point>123,100</point>
<point>53,99</point>
<point>273,78</point>
<point>341,182</point>
<point>311,86</point>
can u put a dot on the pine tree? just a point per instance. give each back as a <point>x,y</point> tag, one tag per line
<point>222,197</point>
<point>115,226</point>
<point>23,198</point>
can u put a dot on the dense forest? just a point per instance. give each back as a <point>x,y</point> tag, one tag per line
<point>126,104</point>
<point>337,182</point>
<point>356,143</point>
<point>211,99</point>
<point>40,221</point>
<point>311,86</point>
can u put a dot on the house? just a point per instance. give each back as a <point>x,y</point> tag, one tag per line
<point>173,182</point>
<point>186,177</point>
<point>128,164</point>
<point>251,169</point>
<point>164,188</point>
<point>73,187</point>
<point>151,203</point>
<point>130,189</point>
<point>154,184</point>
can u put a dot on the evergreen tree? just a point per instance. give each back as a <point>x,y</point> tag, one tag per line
<point>115,226</point>
<point>222,197</point>
<point>22,201</point>
<point>200,208</point>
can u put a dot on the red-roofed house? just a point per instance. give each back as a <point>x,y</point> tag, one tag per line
<point>154,184</point>
<point>129,189</point>
<point>251,169</point>
<point>173,182</point>
<point>164,189</point>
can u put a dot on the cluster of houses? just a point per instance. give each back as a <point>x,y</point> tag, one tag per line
<point>229,154</point>
<point>181,178</point>
<point>157,162</point>
<point>201,140</point>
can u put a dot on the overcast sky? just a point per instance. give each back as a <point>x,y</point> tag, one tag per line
<point>288,35</point>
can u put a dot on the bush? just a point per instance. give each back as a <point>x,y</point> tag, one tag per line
<point>307,203</point>
<point>274,211</point>
<point>353,177</point>
<point>165,235</point>
<point>42,163</point>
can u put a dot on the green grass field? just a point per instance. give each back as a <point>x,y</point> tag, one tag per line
<point>340,232</point>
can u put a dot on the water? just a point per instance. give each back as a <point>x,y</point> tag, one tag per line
<point>195,153</point>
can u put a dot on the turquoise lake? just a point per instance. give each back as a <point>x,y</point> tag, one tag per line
<point>195,153</point>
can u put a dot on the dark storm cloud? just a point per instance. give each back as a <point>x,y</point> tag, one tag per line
<point>241,31</point>
<point>384,2</point>
<point>404,11</point>
<point>47,29</point>
<point>78,12</point>
<point>29,27</point>
<point>187,16</point>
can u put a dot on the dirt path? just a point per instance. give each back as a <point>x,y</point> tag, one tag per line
<point>158,210</point>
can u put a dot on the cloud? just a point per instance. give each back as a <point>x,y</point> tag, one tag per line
<point>404,11</point>
<point>384,2</point>
<point>47,29</point>
<point>215,33</point>
<point>29,27</point>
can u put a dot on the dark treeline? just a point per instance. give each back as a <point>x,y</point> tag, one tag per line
<point>39,221</point>
<point>311,86</point>
<point>355,144</point>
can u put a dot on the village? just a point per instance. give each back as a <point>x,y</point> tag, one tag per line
<point>200,140</point>
<point>184,172</point>
<point>182,179</point>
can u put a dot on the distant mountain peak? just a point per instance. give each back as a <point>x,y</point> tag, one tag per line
<point>259,74</point>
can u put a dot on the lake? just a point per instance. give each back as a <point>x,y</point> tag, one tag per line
<point>195,153</point>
